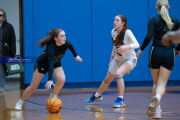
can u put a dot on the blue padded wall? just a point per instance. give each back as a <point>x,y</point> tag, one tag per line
<point>75,20</point>
<point>103,13</point>
<point>28,39</point>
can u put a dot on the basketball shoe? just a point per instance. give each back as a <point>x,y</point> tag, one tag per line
<point>93,98</point>
<point>119,102</point>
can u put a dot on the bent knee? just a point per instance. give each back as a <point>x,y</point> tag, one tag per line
<point>119,74</point>
<point>61,79</point>
<point>33,87</point>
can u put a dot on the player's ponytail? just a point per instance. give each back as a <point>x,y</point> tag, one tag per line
<point>49,38</point>
<point>162,5</point>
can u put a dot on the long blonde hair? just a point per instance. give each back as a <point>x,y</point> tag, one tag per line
<point>162,5</point>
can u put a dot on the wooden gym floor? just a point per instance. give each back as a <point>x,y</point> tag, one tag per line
<point>137,100</point>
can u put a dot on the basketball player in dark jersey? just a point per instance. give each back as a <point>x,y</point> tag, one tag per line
<point>161,58</point>
<point>49,61</point>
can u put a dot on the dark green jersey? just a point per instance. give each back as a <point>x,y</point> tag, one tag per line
<point>52,55</point>
<point>157,28</point>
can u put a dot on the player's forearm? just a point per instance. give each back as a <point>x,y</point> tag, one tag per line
<point>177,34</point>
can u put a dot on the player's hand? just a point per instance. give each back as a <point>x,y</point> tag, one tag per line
<point>177,53</point>
<point>169,36</point>
<point>78,59</point>
<point>139,53</point>
<point>166,38</point>
<point>122,48</point>
<point>48,84</point>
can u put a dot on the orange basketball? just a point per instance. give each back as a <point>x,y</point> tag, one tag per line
<point>54,105</point>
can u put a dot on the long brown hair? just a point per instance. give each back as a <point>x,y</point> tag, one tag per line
<point>49,38</point>
<point>119,38</point>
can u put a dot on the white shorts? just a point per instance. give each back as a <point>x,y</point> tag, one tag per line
<point>115,64</point>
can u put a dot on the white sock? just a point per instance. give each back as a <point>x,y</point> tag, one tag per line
<point>159,107</point>
<point>159,97</point>
<point>120,97</point>
<point>21,101</point>
<point>97,95</point>
<point>52,95</point>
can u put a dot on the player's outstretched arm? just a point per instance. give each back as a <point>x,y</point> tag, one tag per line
<point>173,36</point>
<point>78,59</point>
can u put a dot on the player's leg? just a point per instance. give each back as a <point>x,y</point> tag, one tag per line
<point>160,90</point>
<point>60,80</point>
<point>162,81</point>
<point>104,85</point>
<point>29,90</point>
<point>166,65</point>
<point>165,71</point>
<point>125,68</point>
<point>155,75</point>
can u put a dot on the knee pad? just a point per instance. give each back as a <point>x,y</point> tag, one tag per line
<point>119,78</point>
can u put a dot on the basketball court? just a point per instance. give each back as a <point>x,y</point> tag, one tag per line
<point>137,100</point>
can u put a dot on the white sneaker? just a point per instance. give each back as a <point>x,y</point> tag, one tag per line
<point>158,113</point>
<point>18,105</point>
<point>52,96</point>
<point>152,107</point>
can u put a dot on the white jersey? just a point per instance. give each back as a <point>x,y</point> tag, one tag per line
<point>129,39</point>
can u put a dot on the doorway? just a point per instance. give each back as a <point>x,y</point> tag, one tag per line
<point>13,12</point>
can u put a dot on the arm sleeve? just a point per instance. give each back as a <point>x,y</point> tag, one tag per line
<point>135,43</point>
<point>151,28</point>
<point>12,40</point>
<point>178,47</point>
<point>113,51</point>
<point>50,52</point>
<point>71,48</point>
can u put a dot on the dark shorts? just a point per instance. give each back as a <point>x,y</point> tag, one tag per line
<point>159,56</point>
<point>44,69</point>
